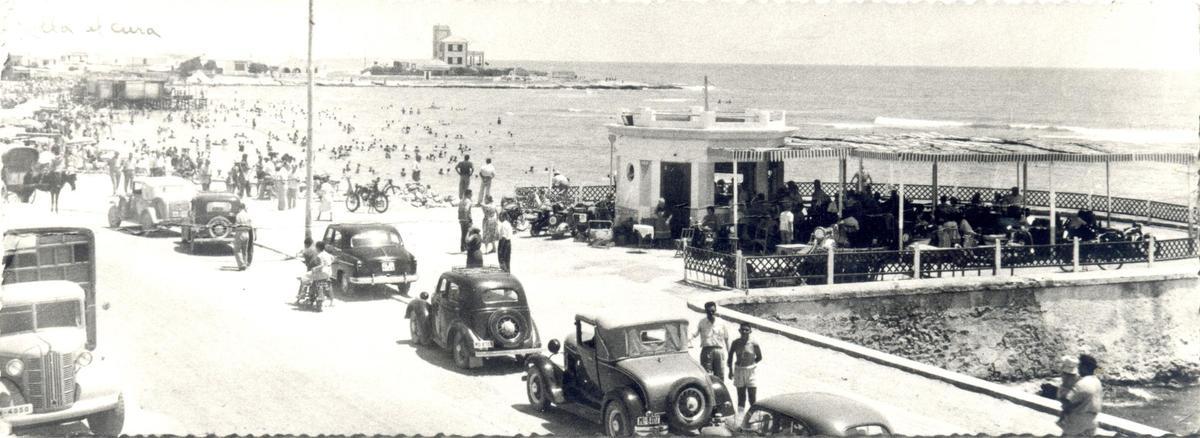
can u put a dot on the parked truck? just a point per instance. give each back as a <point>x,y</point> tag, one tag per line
<point>48,333</point>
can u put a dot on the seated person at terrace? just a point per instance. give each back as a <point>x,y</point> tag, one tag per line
<point>1013,198</point>
<point>710,219</point>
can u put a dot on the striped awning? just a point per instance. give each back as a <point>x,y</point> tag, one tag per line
<point>930,147</point>
<point>774,154</point>
<point>1170,158</point>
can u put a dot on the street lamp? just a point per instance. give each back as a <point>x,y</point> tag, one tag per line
<point>308,147</point>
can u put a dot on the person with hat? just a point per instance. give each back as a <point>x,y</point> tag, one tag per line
<point>1083,401</point>
<point>1068,367</point>
<point>474,244</point>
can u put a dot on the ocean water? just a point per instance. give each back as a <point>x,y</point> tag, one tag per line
<point>564,129</point>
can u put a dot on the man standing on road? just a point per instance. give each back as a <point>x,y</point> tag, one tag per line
<point>242,230</point>
<point>744,356</point>
<point>464,219</point>
<point>128,169</point>
<point>114,172</point>
<point>504,245</point>
<point>1084,400</point>
<point>714,340</point>
<point>486,173</point>
<point>465,169</point>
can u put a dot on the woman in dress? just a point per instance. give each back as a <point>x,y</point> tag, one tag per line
<point>474,255</point>
<point>490,224</point>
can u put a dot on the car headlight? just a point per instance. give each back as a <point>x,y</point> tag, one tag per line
<point>83,360</point>
<point>14,367</point>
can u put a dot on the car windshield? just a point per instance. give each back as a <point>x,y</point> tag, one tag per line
<point>867,430</point>
<point>499,296</point>
<point>647,340</point>
<point>49,315</point>
<point>374,238</point>
<point>218,207</point>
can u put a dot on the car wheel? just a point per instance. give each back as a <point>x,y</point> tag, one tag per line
<point>616,420</point>
<point>461,349</point>
<point>344,284</point>
<point>689,407</point>
<point>147,220</point>
<point>110,422</point>
<point>114,217</point>
<point>538,392</point>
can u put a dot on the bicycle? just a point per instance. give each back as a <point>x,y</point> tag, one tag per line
<point>372,195</point>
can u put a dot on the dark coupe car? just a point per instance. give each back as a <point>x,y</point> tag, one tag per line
<point>476,313</point>
<point>809,414</point>
<point>368,254</point>
<point>210,219</point>
<point>633,373</point>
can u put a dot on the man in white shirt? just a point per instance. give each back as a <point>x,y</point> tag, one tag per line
<point>486,173</point>
<point>786,220</point>
<point>504,245</point>
<point>1084,401</point>
<point>242,238</point>
<point>714,341</point>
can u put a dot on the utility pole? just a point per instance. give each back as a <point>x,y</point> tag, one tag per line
<point>308,146</point>
<point>705,93</point>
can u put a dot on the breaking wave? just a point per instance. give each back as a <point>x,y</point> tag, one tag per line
<point>1041,130</point>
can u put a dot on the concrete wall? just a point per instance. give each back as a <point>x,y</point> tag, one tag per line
<point>1142,328</point>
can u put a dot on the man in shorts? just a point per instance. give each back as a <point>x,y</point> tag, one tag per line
<point>744,356</point>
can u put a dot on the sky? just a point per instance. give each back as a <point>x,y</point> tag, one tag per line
<point>1123,34</point>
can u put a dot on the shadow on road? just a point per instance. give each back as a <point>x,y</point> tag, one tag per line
<point>206,250</point>
<point>367,293</point>
<point>158,233</point>
<point>498,366</point>
<point>560,422</point>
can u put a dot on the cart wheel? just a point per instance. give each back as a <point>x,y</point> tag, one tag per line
<point>352,203</point>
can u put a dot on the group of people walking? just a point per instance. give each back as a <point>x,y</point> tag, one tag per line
<point>495,235</point>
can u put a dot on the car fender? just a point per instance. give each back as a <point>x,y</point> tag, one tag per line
<point>627,396</point>
<point>723,403</point>
<point>418,309</point>
<point>550,373</point>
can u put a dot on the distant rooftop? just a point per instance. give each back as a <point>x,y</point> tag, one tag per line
<point>697,118</point>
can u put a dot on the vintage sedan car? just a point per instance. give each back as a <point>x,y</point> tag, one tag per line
<point>632,372</point>
<point>809,414</point>
<point>369,254</point>
<point>210,219</point>
<point>477,313</point>
<point>156,202</point>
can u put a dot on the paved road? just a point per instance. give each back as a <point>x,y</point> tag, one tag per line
<point>202,348</point>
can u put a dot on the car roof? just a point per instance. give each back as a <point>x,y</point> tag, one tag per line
<point>824,411</point>
<point>16,294</point>
<point>633,317</point>
<point>488,277</point>
<point>364,226</point>
<point>217,196</point>
<point>163,180</point>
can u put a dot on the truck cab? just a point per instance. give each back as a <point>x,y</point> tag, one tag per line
<point>48,334</point>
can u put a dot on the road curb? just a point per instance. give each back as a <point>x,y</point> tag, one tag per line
<point>961,381</point>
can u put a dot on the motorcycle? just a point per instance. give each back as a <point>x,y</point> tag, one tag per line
<point>312,293</point>
<point>516,215</point>
<point>578,219</point>
<point>550,219</point>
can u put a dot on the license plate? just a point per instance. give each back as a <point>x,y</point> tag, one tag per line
<point>16,410</point>
<point>649,420</point>
<point>177,214</point>
<point>389,266</point>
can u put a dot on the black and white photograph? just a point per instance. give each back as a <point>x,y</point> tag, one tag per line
<point>600,217</point>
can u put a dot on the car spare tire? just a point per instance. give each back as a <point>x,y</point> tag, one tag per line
<point>219,227</point>
<point>508,328</point>
<point>689,406</point>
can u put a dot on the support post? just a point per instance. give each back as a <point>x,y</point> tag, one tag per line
<point>1053,207</point>
<point>736,186</point>
<point>1151,247</point>
<point>1108,192</point>
<point>916,262</point>
<point>900,214</point>
<point>829,266</point>
<point>1024,182</point>
<point>1075,254</point>
<point>935,192</point>
<point>739,274</point>
<point>1191,220</point>
<point>841,195</point>
<point>996,265</point>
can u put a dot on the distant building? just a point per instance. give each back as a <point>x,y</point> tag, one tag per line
<point>234,67</point>
<point>454,50</point>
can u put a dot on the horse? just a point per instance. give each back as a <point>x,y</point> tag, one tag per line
<point>52,181</point>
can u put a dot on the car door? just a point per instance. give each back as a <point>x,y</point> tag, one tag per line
<point>333,238</point>
<point>587,381</point>
<point>448,308</point>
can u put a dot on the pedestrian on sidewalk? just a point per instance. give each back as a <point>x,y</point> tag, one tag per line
<point>128,169</point>
<point>714,341</point>
<point>1084,400</point>
<point>486,173</point>
<point>464,219</point>
<point>242,238</point>
<point>114,172</point>
<point>504,245</point>
<point>465,169</point>
<point>744,356</point>
<point>474,243</point>
<point>1069,369</point>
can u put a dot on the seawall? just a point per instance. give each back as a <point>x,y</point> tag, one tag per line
<point>1142,325</point>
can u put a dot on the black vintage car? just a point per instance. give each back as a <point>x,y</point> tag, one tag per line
<point>369,254</point>
<point>632,372</point>
<point>210,219</point>
<point>476,313</point>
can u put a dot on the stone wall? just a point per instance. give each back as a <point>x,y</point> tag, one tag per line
<point>1014,329</point>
